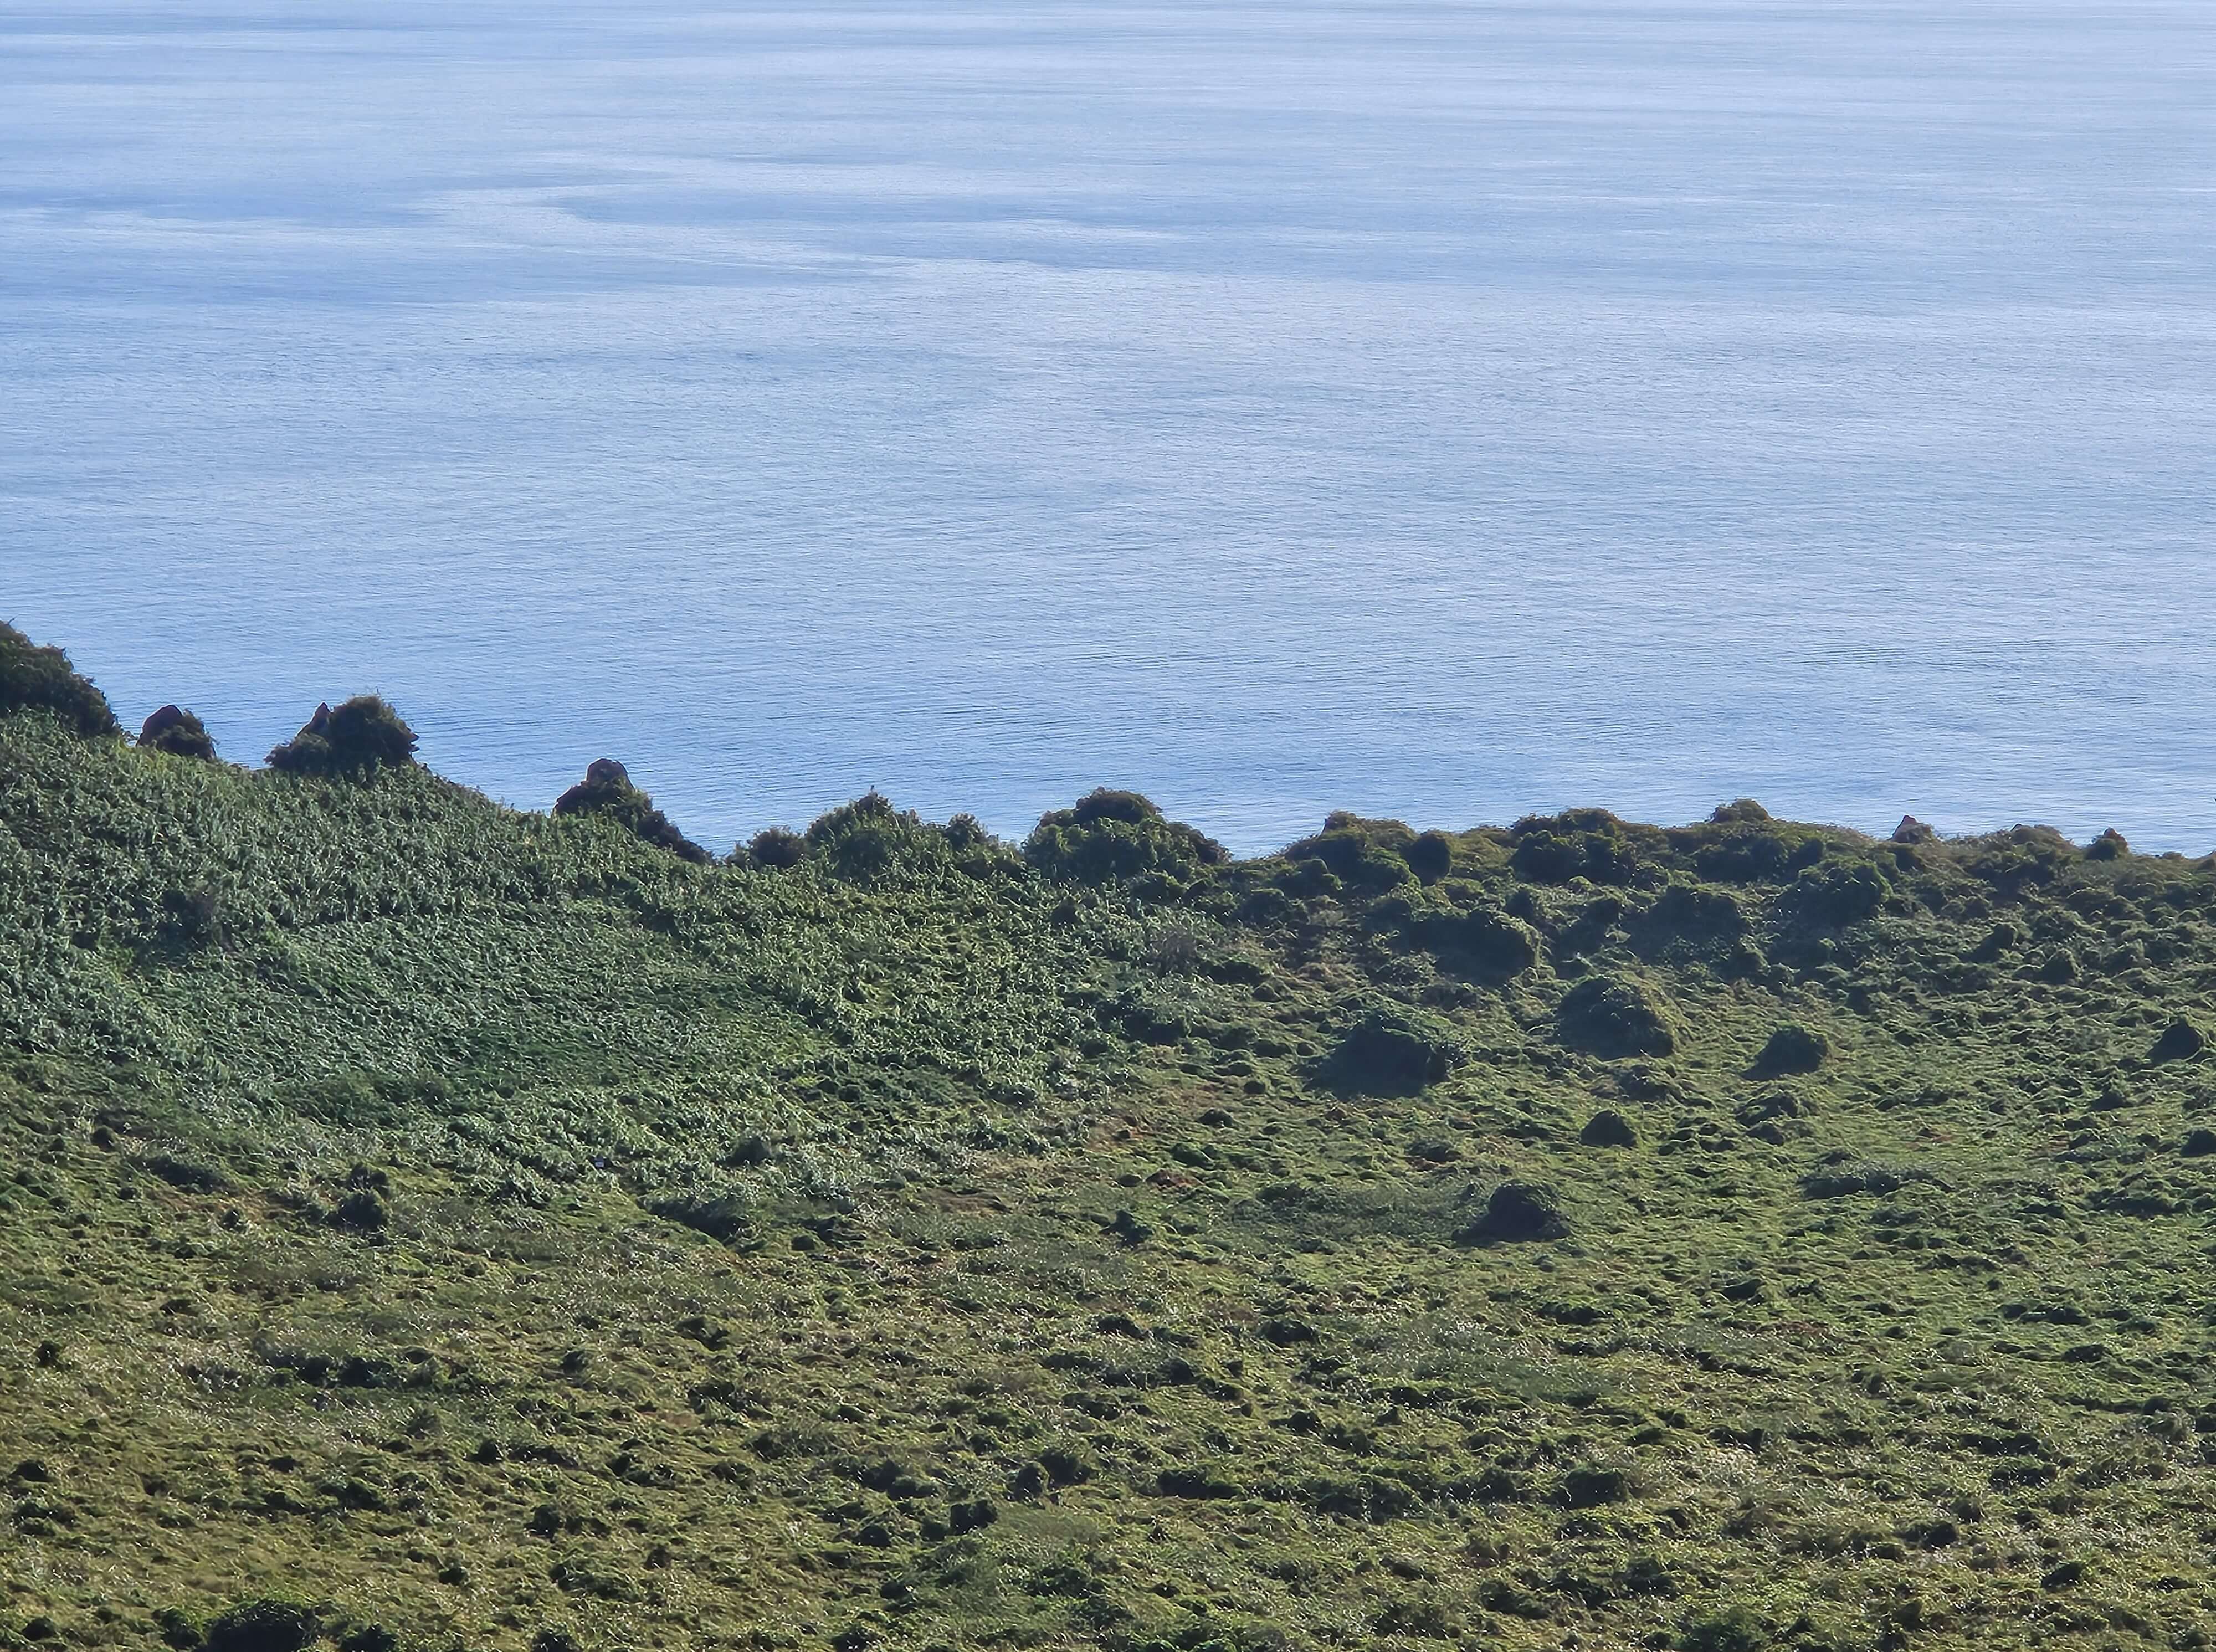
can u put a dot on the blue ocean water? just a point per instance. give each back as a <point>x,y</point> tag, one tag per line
<point>1447,409</point>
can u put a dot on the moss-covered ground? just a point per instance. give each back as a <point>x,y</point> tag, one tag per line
<point>490,1230</point>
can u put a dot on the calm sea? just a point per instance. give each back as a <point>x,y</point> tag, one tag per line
<point>1446,409</point>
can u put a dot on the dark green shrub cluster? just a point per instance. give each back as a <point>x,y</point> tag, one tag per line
<point>1792,1048</point>
<point>1614,1016</point>
<point>774,848</point>
<point>263,1626</point>
<point>362,736</point>
<point>868,839</point>
<point>1388,1051</point>
<point>1834,894</point>
<point>1431,856</point>
<point>177,731</point>
<point>1519,1212</point>
<point>1747,852</point>
<point>38,679</point>
<point>607,791</point>
<point>1589,843</point>
<point>1109,836</point>
<point>1484,939</point>
<point>1609,1128</point>
<point>1362,855</point>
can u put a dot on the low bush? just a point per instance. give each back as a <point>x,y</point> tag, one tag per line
<point>1364,854</point>
<point>177,731</point>
<point>607,790</point>
<point>1110,837</point>
<point>2180,1041</point>
<point>1744,810</point>
<point>1614,1016</point>
<point>1519,1212</point>
<point>1431,856</point>
<point>38,679</point>
<point>1581,843</point>
<point>868,839</point>
<point>1791,1048</point>
<point>1489,941</point>
<point>1834,894</point>
<point>362,736</point>
<point>1609,1128</point>
<point>1733,1630</point>
<point>774,849</point>
<point>263,1626</point>
<point>1387,1050</point>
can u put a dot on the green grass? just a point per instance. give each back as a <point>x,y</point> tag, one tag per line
<point>488,1227</point>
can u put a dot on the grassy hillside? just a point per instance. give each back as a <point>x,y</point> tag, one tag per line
<point>450,1227</point>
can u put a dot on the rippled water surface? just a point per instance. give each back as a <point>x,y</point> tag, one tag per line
<point>1441,409</point>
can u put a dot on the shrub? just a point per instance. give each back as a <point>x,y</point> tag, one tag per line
<point>1110,836</point>
<point>364,1211</point>
<point>1746,808</point>
<point>2109,846</point>
<point>1362,853</point>
<point>723,1218</point>
<point>263,1626</point>
<point>1612,1016</point>
<point>1582,843</point>
<point>774,850</point>
<point>1588,1487</point>
<point>2180,1041</point>
<point>38,679</point>
<point>1519,1212</point>
<point>1492,942</point>
<point>1836,894</point>
<point>362,736</point>
<point>1733,1630</point>
<point>177,731</point>
<point>868,839</point>
<point>1690,909</point>
<point>1431,857</point>
<point>607,790</point>
<point>1791,1048</point>
<point>1388,1051</point>
<point>1750,851</point>
<point>1609,1128</point>
<point>2022,857</point>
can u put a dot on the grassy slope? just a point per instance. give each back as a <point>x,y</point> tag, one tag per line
<point>887,1116</point>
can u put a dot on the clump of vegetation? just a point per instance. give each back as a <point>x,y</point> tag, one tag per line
<point>869,840</point>
<point>1430,855</point>
<point>1616,1016</point>
<point>774,848</point>
<point>39,679</point>
<point>1484,938</point>
<point>177,731</point>
<point>264,1625</point>
<point>1110,835</point>
<point>1366,854</point>
<point>1520,1212</point>
<point>362,736</point>
<point>607,791</point>
<point>1388,1051</point>
<point>1792,1048</point>
<point>2180,1040</point>
<point>1609,1128</point>
<point>1590,843</point>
